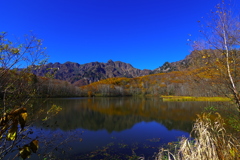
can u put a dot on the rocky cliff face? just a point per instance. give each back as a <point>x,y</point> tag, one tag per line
<point>192,61</point>
<point>90,72</point>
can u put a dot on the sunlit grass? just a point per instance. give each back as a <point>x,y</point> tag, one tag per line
<point>211,142</point>
<point>186,98</point>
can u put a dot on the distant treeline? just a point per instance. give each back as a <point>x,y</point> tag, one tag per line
<point>26,84</point>
<point>56,88</point>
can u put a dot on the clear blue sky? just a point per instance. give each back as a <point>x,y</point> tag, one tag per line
<point>144,33</point>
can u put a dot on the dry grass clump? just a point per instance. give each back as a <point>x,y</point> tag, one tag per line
<point>211,143</point>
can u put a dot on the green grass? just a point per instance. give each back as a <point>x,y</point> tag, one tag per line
<point>186,98</point>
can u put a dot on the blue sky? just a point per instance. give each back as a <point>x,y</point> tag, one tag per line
<point>144,33</point>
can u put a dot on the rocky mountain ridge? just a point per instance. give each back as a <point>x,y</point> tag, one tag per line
<point>83,74</point>
<point>192,61</point>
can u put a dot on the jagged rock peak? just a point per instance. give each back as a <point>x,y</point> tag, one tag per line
<point>110,61</point>
<point>91,72</point>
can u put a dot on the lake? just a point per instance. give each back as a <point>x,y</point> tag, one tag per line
<point>114,128</point>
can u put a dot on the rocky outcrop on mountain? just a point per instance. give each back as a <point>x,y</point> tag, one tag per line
<point>83,74</point>
<point>192,61</point>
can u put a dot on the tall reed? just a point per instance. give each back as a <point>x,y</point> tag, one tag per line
<point>211,142</point>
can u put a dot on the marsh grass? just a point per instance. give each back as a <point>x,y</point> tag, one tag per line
<point>186,98</point>
<point>234,122</point>
<point>211,142</point>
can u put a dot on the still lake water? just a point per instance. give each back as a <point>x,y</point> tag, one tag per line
<point>115,127</point>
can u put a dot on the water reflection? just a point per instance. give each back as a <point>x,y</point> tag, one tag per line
<point>118,114</point>
<point>122,121</point>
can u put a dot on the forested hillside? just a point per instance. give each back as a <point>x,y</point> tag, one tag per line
<point>202,73</point>
<point>173,83</point>
<point>196,59</point>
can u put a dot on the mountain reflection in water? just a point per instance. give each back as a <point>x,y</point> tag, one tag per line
<point>118,114</point>
<point>122,119</point>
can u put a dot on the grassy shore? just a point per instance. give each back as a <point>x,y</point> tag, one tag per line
<point>211,141</point>
<point>185,98</point>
